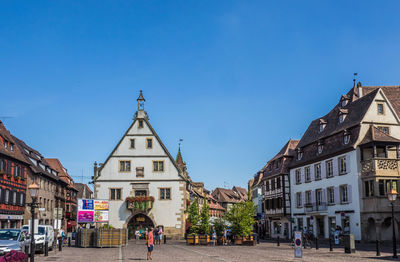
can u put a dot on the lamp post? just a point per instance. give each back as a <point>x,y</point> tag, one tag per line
<point>392,195</point>
<point>33,189</point>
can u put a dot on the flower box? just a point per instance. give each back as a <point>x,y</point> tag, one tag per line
<point>239,241</point>
<point>192,240</point>
<point>204,239</point>
<point>142,203</point>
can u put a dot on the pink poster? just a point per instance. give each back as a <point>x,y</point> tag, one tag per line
<point>85,216</point>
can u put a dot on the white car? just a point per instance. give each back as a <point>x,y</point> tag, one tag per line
<point>44,231</point>
<point>13,239</point>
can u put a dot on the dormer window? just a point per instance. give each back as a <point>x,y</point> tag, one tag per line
<point>322,125</point>
<point>342,115</point>
<point>299,154</point>
<point>320,148</point>
<point>12,147</point>
<point>344,101</point>
<point>346,137</point>
<point>5,144</point>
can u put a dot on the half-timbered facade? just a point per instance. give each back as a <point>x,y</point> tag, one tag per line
<point>13,177</point>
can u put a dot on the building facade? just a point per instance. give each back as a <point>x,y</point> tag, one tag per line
<point>13,178</point>
<point>141,166</point>
<point>276,193</point>
<point>345,164</point>
<point>84,191</point>
<point>228,197</point>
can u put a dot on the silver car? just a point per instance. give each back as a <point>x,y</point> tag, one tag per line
<point>13,239</point>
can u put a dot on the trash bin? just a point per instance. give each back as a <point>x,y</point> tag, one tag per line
<point>349,244</point>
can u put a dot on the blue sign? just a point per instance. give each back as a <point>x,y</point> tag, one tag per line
<point>87,204</point>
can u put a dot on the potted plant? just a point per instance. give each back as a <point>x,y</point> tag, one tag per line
<point>143,203</point>
<point>241,218</point>
<point>204,229</point>
<point>193,217</point>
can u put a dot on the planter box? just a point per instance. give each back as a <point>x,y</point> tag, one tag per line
<point>238,241</point>
<point>101,237</point>
<point>192,240</point>
<point>204,239</point>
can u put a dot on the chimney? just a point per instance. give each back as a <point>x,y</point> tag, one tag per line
<point>359,90</point>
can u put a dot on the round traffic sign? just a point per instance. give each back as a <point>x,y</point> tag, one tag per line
<point>298,242</point>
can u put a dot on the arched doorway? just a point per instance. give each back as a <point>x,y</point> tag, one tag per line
<point>139,222</point>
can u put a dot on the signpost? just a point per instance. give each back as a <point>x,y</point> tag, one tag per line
<point>298,244</point>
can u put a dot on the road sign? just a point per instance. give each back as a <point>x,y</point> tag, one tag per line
<point>298,244</point>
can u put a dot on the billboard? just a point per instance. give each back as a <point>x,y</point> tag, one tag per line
<point>100,204</point>
<point>92,210</point>
<point>85,216</point>
<point>101,215</point>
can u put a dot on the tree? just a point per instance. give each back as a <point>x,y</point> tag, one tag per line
<point>193,217</point>
<point>219,226</point>
<point>205,219</point>
<point>241,218</point>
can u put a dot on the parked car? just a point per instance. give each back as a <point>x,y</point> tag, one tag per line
<point>44,231</point>
<point>13,239</point>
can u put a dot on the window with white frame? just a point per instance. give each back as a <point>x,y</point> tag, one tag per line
<point>307,174</point>
<point>331,195</point>
<point>329,168</point>
<point>298,176</point>
<point>318,196</point>
<point>298,199</point>
<point>342,165</point>
<point>317,171</point>
<point>308,197</point>
<point>344,197</point>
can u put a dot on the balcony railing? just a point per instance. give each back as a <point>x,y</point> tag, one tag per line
<point>315,207</point>
<point>380,167</point>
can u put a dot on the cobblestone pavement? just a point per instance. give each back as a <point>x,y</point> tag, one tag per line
<point>178,251</point>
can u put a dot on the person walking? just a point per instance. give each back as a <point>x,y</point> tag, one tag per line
<point>155,233</point>
<point>150,244</point>
<point>160,232</point>
<point>224,238</point>
<point>214,237</point>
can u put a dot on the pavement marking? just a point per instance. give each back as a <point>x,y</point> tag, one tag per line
<point>203,254</point>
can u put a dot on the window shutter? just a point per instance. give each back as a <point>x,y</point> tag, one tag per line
<point>349,193</point>
<point>313,197</point>
<point>324,198</point>
<point>337,195</point>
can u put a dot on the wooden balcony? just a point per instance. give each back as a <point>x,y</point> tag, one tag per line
<point>380,167</point>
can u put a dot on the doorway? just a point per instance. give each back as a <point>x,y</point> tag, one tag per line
<point>139,222</point>
<point>320,227</point>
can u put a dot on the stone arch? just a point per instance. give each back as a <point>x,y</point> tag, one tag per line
<point>132,223</point>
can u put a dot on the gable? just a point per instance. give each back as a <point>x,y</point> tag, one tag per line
<point>123,150</point>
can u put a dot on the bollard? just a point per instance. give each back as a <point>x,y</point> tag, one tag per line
<point>378,251</point>
<point>316,243</point>
<point>258,239</point>
<point>69,241</point>
<point>26,253</point>
<point>278,243</point>
<point>165,239</point>
<point>330,244</point>
<point>60,244</point>
<point>46,248</point>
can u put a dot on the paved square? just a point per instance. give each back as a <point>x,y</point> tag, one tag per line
<point>179,251</point>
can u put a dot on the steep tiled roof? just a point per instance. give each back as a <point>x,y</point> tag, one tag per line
<point>213,203</point>
<point>81,187</point>
<point>62,172</point>
<point>241,191</point>
<point>16,153</point>
<point>284,157</point>
<point>36,161</point>
<point>376,135</point>
<point>355,113</point>
<point>227,195</point>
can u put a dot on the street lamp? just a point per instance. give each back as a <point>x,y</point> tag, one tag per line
<point>392,195</point>
<point>33,190</point>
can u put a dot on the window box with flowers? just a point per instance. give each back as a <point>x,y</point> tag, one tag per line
<point>143,203</point>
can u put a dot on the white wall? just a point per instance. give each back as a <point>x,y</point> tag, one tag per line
<point>351,178</point>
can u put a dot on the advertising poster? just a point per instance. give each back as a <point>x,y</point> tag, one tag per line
<point>87,204</point>
<point>101,215</point>
<point>85,216</point>
<point>100,204</point>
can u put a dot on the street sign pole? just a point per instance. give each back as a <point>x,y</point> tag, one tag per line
<point>298,244</point>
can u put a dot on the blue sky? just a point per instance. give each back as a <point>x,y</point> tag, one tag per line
<point>234,79</point>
